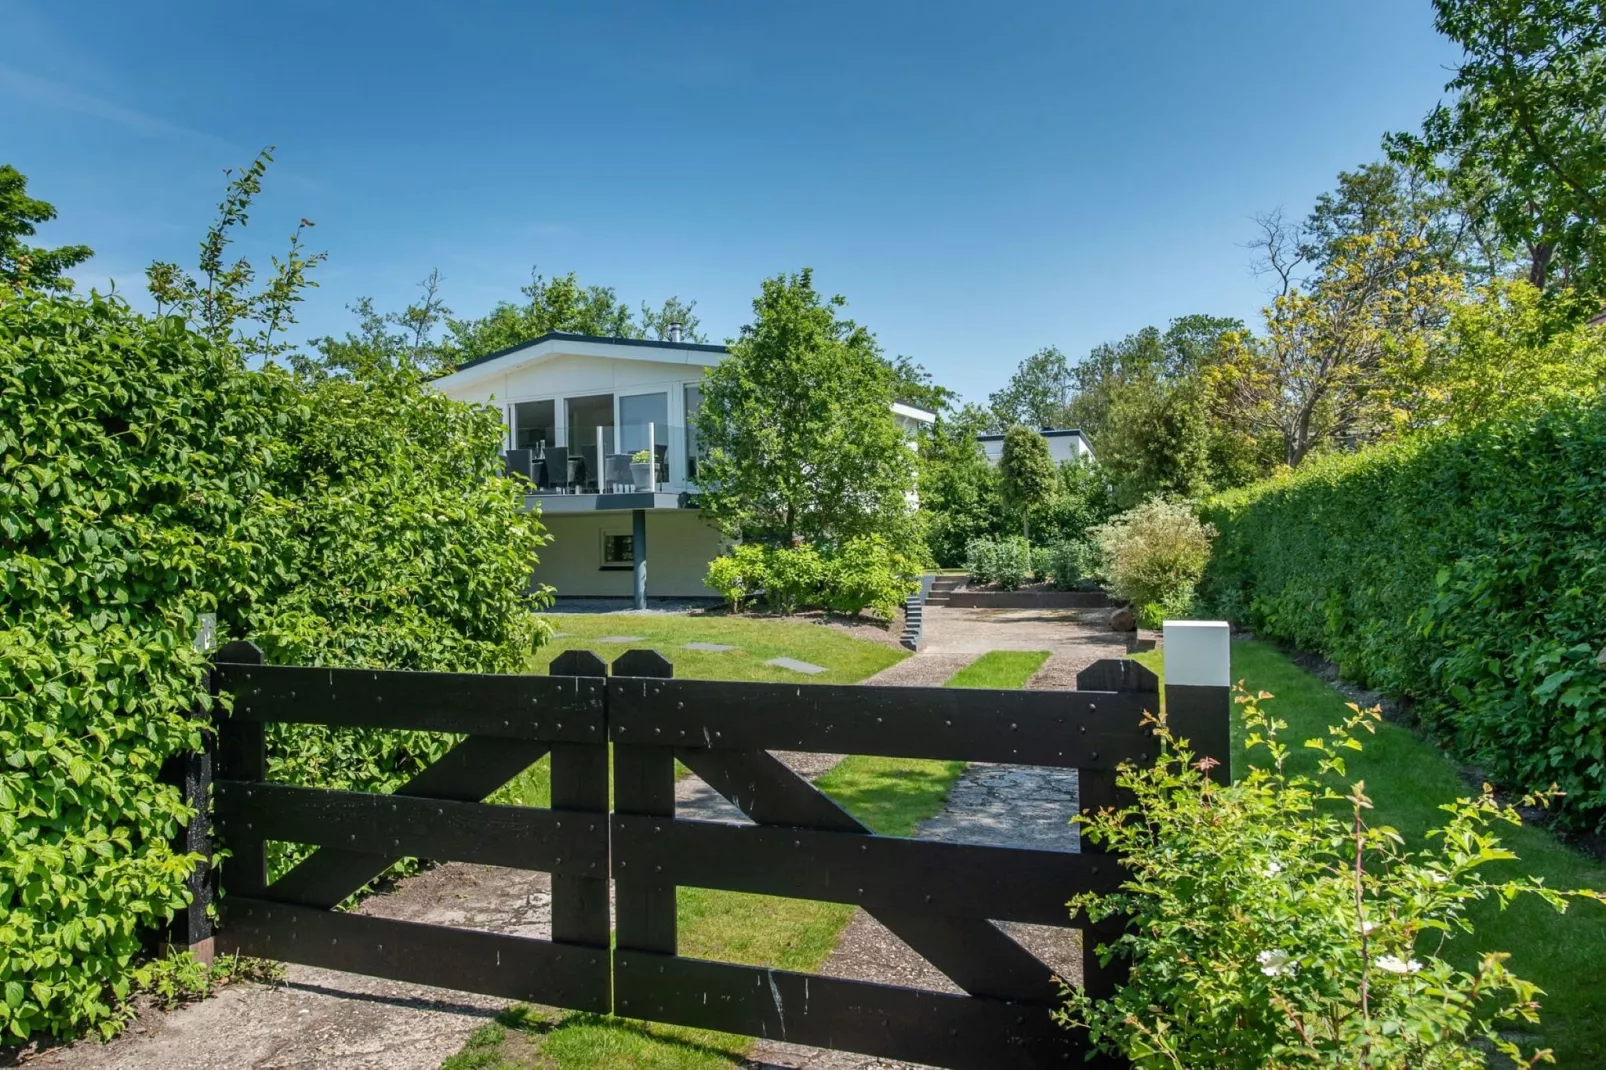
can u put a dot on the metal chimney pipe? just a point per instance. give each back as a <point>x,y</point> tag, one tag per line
<point>675,331</point>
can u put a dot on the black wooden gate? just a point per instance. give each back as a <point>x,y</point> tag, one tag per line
<point>939,898</point>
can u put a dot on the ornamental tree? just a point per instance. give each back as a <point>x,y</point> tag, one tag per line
<point>1027,473</point>
<point>798,426</point>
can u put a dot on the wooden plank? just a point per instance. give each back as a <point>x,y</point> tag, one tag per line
<point>468,772</point>
<point>548,708</point>
<point>242,754</point>
<point>971,952</point>
<point>643,784</point>
<point>514,836</point>
<point>1098,980</point>
<point>1068,729</point>
<point>1202,715</point>
<point>884,1021</point>
<point>468,960</point>
<point>1119,674</point>
<point>580,784</point>
<point>947,879</point>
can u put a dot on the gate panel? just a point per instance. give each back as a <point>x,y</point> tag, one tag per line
<point>436,815</point>
<point>492,964</point>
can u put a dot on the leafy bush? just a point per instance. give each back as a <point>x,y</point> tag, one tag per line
<point>866,572</point>
<point>1271,929</point>
<point>738,574</point>
<point>1003,562</point>
<point>1476,585</point>
<point>132,454</point>
<point>794,577</point>
<point>148,477</point>
<point>1070,563</point>
<point>1154,553</point>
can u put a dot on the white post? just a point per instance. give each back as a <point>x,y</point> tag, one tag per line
<point>602,461</point>
<point>1198,688</point>
<point>652,455</point>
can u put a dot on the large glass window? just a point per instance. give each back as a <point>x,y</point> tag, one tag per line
<point>585,416</point>
<point>644,424</point>
<point>535,425</point>
<point>694,402</point>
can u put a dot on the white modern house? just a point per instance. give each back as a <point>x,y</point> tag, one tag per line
<point>577,411</point>
<point>1067,444</point>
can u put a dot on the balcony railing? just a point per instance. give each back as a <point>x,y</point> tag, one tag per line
<point>600,468</point>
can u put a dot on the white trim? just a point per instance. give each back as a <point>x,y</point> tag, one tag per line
<point>1197,652</point>
<point>912,412</point>
<point>539,352</point>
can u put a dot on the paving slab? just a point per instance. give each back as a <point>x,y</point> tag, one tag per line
<point>708,648</point>
<point>796,666</point>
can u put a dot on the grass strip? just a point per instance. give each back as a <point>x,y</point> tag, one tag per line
<point>1408,779</point>
<point>1004,669</point>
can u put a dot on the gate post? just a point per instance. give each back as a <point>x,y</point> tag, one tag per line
<point>1198,689</point>
<point>242,754</point>
<point>644,786</point>
<point>580,784</point>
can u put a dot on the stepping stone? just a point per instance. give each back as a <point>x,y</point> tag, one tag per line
<point>712,648</point>
<point>795,665</point>
<point>619,639</point>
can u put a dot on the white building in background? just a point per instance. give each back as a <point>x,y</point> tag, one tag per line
<point>1063,445</point>
<point>578,410</point>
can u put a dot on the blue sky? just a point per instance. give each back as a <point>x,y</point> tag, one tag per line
<point>978,180</point>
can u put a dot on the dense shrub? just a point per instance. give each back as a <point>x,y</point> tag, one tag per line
<point>794,576</point>
<point>1270,927</point>
<point>147,477</point>
<point>866,572</point>
<point>1005,563</point>
<point>738,574</point>
<point>863,572</point>
<point>1153,555</point>
<point>1070,564</point>
<point>1464,569</point>
<point>131,455</point>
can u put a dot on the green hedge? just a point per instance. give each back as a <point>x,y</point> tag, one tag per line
<point>1463,569</point>
<point>148,477</point>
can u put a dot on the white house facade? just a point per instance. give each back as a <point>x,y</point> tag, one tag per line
<point>578,411</point>
<point>1067,444</point>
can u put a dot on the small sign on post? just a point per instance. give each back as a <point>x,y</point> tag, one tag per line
<point>1198,689</point>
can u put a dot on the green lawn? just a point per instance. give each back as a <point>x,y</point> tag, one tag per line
<point>891,795</point>
<point>1408,779</point>
<point>846,660</point>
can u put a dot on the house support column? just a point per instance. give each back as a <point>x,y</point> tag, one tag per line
<point>638,525</point>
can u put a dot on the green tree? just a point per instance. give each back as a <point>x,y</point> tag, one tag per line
<point>960,496</point>
<point>23,265</point>
<point>798,425</point>
<point>562,304</point>
<point>914,385</point>
<point>1026,473</point>
<point>1156,441</point>
<point>1038,395</point>
<point>384,342</point>
<point>657,323</point>
<point>220,303</point>
<point>1522,140</point>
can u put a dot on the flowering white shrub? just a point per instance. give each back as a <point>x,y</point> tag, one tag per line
<point>1273,926</point>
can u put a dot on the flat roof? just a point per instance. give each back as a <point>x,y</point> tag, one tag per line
<point>1055,433</point>
<point>562,336</point>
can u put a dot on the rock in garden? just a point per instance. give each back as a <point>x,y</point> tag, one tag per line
<point>1122,620</point>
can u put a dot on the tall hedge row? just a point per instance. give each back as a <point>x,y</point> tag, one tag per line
<point>1464,569</point>
<point>148,477</point>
